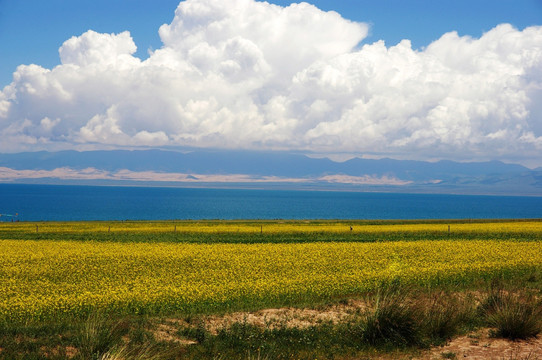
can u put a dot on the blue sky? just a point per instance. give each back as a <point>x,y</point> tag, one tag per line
<point>31,31</point>
<point>243,74</point>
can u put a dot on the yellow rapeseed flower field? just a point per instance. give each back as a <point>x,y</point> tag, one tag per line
<point>271,227</point>
<point>44,279</point>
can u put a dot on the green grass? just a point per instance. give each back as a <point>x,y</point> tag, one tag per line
<point>397,319</point>
<point>403,319</point>
<point>512,315</point>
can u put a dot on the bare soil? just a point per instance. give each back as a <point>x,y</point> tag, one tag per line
<point>480,345</point>
<point>286,317</point>
<point>474,346</point>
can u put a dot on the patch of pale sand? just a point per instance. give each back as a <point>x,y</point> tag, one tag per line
<point>267,318</point>
<point>169,333</point>
<point>480,345</point>
<point>286,317</point>
<point>69,351</point>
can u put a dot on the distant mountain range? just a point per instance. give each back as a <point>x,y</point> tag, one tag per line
<point>267,169</point>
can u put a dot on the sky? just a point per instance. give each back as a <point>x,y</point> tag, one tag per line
<point>424,80</point>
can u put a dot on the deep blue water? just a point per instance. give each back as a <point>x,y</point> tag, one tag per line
<point>65,203</point>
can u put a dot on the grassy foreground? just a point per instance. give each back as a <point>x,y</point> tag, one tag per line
<point>55,277</point>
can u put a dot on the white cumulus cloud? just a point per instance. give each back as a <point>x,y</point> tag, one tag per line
<point>252,75</point>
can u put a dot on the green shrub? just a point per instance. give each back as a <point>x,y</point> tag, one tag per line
<point>516,316</point>
<point>444,315</point>
<point>391,319</point>
<point>98,336</point>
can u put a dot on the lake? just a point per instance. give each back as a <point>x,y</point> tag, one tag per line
<point>70,203</point>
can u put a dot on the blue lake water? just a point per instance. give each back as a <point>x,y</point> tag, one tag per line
<point>67,203</point>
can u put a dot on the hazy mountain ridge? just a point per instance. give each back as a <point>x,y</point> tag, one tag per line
<point>487,177</point>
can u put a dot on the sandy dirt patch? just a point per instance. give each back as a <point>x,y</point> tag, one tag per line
<point>480,345</point>
<point>474,346</point>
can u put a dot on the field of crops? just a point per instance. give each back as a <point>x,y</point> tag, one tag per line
<point>45,275</point>
<point>276,227</point>
<point>251,232</point>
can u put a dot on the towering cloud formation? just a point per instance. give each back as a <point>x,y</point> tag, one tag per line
<point>247,74</point>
